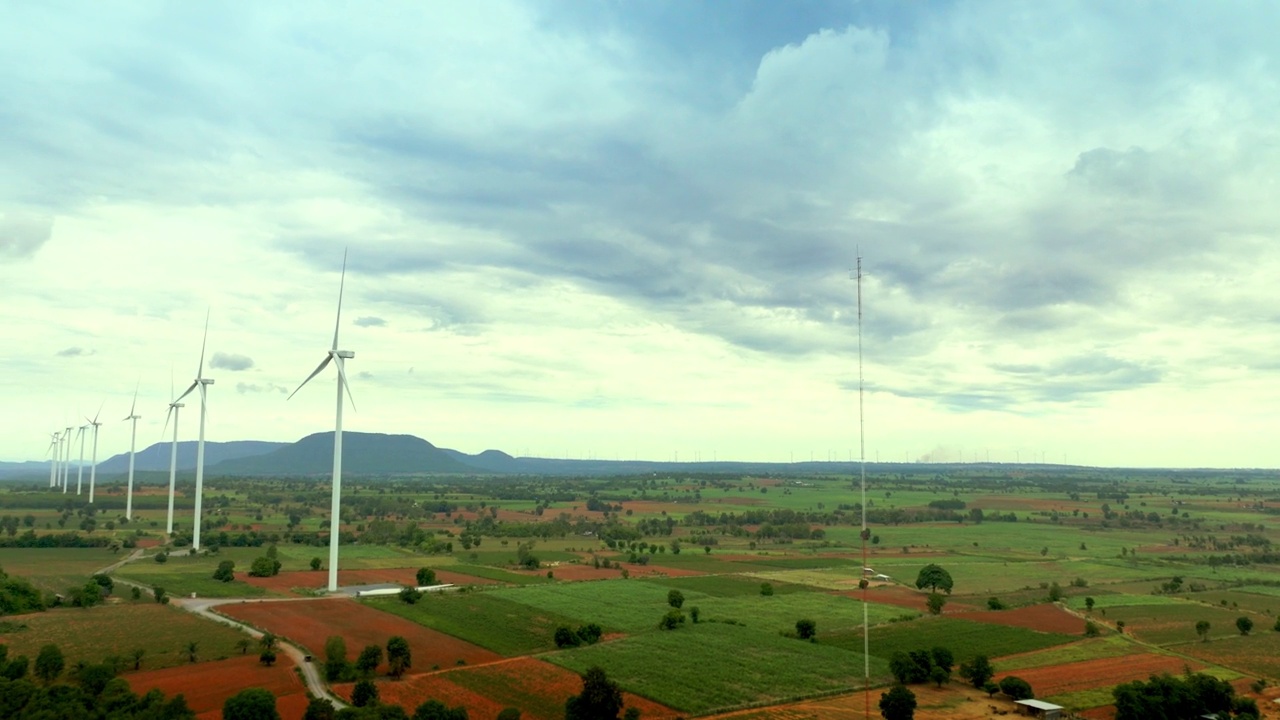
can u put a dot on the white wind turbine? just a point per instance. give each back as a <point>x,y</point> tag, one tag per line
<point>133,442</point>
<point>80,466</point>
<point>93,463</point>
<point>66,463</point>
<point>201,382</point>
<point>53,459</point>
<point>173,454</point>
<point>337,357</point>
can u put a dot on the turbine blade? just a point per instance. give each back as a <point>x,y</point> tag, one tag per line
<point>342,378</point>
<point>203,343</point>
<point>341,285</point>
<point>314,373</point>
<point>167,415</point>
<point>188,392</point>
<point>134,406</point>
<point>97,414</point>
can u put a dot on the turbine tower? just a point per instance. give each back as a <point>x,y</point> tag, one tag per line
<point>201,382</point>
<point>66,463</point>
<point>173,456</point>
<point>93,467</point>
<point>80,466</point>
<point>338,358</point>
<point>133,442</point>
<point>53,459</point>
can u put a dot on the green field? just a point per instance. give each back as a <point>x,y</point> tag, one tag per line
<point>1170,623</point>
<point>724,585</point>
<point>92,634</point>
<point>710,666</point>
<point>483,618</point>
<point>965,639</point>
<point>56,569</point>
<point>1091,649</point>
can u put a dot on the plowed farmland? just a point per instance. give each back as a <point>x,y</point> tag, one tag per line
<point>1059,679</point>
<point>311,622</point>
<point>284,582</point>
<point>207,685</point>
<point>1045,618</point>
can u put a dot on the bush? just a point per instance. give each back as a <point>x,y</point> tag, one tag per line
<point>1091,629</point>
<point>225,571</point>
<point>251,704</point>
<point>1016,688</point>
<point>410,595</point>
<point>675,599</point>
<point>766,589</point>
<point>977,671</point>
<point>1244,624</point>
<point>672,620</point>
<point>566,637</point>
<point>426,576</point>
<point>806,629</point>
<point>995,604</point>
<point>364,693</point>
<point>898,703</point>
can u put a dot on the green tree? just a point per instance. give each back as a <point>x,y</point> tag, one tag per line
<point>320,709</point>
<point>935,602</point>
<point>766,589</point>
<point>1016,688</point>
<point>990,688</point>
<point>268,641</point>
<point>1091,629</point>
<point>267,657</point>
<point>410,595</point>
<point>251,704</point>
<point>49,663</point>
<point>160,595</point>
<point>565,637</point>
<point>335,658</point>
<point>943,658</point>
<point>426,576</point>
<point>264,567</point>
<point>675,598</point>
<point>939,676</point>
<point>601,699</point>
<point>436,710</point>
<point>898,703</point>
<point>1055,592</point>
<point>933,576</point>
<point>225,571</point>
<point>1088,604</point>
<point>399,657</point>
<point>994,603</point>
<point>1244,624</point>
<point>190,650</point>
<point>1202,629</point>
<point>672,620</point>
<point>315,565</point>
<point>243,645</point>
<point>137,655</point>
<point>369,659</point>
<point>806,629</point>
<point>977,671</point>
<point>695,613</point>
<point>365,693</point>
<point>590,633</point>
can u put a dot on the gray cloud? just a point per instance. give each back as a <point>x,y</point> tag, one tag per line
<point>253,388</point>
<point>22,233</point>
<point>370,321</point>
<point>73,352</point>
<point>230,361</point>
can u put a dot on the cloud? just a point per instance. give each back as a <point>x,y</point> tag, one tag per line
<point>73,352</point>
<point>230,361</point>
<point>370,321</point>
<point>23,233</point>
<point>247,388</point>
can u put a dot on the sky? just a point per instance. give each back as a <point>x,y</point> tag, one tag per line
<point>625,230</point>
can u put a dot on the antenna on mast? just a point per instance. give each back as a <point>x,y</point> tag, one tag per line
<point>865,534</point>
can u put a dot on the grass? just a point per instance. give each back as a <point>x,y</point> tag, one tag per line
<point>966,639</point>
<point>1173,623</point>
<point>182,581</point>
<point>1256,654</point>
<point>725,585</point>
<point>1121,600</point>
<point>484,618</point>
<point>713,667</point>
<point>618,605</point>
<point>56,569</point>
<point>93,634</point>
<point>492,573</point>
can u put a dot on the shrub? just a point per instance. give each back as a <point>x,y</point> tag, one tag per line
<point>1016,688</point>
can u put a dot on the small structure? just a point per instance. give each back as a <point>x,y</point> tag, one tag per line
<point>881,577</point>
<point>1039,709</point>
<point>868,571</point>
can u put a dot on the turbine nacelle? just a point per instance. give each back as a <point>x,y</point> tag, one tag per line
<point>344,354</point>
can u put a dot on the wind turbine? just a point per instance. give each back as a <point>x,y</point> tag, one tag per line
<point>53,459</point>
<point>133,442</point>
<point>66,464</point>
<point>93,467</point>
<point>173,454</point>
<point>80,466</point>
<point>337,357</point>
<point>201,382</point>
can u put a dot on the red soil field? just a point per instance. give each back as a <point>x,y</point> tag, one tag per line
<point>1105,672</point>
<point>1045,618</point>
<point>311,622</point>
<point>538,688</point>
<point>207,685</point>
<point>285,581</point>
<point>903,597</point>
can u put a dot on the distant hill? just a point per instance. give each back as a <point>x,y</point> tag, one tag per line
<point>362,454</point>
<point>156,457</point>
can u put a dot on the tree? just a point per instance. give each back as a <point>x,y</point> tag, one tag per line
<point>695,612</point>
<point>912,667</point>
<point>225,571</point>
<point>943,658</point>
<point>1244,624</point>
<point>410,595</point>
<point>264,567</point>
<point>675,598</point>
<point>335,658</point>
<point>1016,688</point>
<point>369,660</point>
<point>806,629</point>
<point>1088,604</point>
<point>243,645</point>
<point>49,663</point>
<point>977,671</point>
<point>436,710</point>
<point>601,699</point>
<point>190,650</point>
<point>990,688</point>
<point>565,637</point>
<point>426,576</point>
<point>1120,626</point>
<point>1091,629</point>
<point>267,657</point>
<point>399,657</point>
<point>672,620</point>
<point>364,693</point>
<point>251,704</point>
<point>315,565</point>
<point>934,602</point>
<point>268,641</point>
<point>933,576</point>
<point>320,709</point>
<point>1055,592</point>
<point>994,603</point>
<point>590,633</point>
<point>137,655</point>
<point>766,589</point>
<point>939,675</point>
<point>898,704</point>
<point>1202,629</point>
